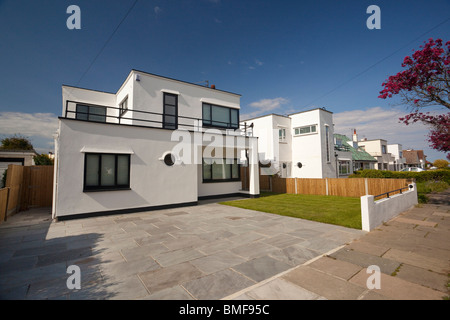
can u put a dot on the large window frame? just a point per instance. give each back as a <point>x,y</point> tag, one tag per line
<point>92,113</point>
<point>208,111</point>
<point>101,184</point>
<point>209,177</point>
<point>304,130</point>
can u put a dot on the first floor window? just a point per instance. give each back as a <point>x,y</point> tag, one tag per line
<point>90,113</point>
<point>305,130</point>
<point>104,171</point>
<point>220,170</point>
<point>220,117</point>
<point>282,135</point>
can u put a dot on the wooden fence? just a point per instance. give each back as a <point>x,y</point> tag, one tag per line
<point>344,187</point>
<point>26,187</point>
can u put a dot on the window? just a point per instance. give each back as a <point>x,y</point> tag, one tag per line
<point>327,141</point>
<point>282,135</point>
<point>170,116</point>
<point>305,130</point>
<point>123,107</point>
<point>344,167</point>
<point>90,113</point>
<point>104,171</point>
<point>383,149</point>
<point>222,117</point>
<point>213,171</point>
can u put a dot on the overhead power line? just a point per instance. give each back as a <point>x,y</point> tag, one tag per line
<point>375,64</point>
<point>107,41</point>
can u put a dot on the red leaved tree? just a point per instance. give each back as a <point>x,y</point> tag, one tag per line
<point>424,83</point>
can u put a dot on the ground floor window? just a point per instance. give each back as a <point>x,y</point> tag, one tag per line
<point>104,171</point>
<point>344,167</point>
<point>220,170</point>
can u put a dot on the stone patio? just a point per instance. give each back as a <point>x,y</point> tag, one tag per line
<point>209,251</point>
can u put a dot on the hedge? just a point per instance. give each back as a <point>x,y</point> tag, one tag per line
<point>430,175</point>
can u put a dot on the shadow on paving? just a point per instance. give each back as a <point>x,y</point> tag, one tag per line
<point>34,266</point>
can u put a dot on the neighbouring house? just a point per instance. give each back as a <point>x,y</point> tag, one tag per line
<point>299,145</point>
<point>350,156</point>
<point>415,158</point>
<point>19,157</point>
<point>377,148</point>
<point>396,150</point>
<point>155,143</point>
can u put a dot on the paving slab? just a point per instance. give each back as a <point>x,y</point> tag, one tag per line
<point>217,285</point>
<point>386,265</point>
<point>396,288</point>
<point>338,268</point>
<point>164,278</point>
<point>278,289</point>
<point>324,285</point>
<point>261,268</point>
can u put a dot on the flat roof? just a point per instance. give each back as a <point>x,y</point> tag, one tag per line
<point>154,75</point>
<point>286,116</point>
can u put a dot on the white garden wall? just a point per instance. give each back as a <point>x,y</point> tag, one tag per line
<point>374,213</point>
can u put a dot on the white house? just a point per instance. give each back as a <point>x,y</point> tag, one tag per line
<point>377,148</point>
<point>156,142</point>
<point>399,162</point>
<point>298,145</point>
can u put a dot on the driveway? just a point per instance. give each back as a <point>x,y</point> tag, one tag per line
<point>209,251</point>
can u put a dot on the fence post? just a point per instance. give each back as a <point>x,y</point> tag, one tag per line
<point>366,184</point>
<point>326,186</point>
<point>295,181</point>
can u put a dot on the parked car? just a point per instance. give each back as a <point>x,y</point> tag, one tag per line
<point>413,169</point>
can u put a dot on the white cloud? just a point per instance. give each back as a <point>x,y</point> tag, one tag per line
<point>379,123</point>
<point>157,10</point>
<point>38,127</point>
<point>264,106</point>
<point>258,62</point>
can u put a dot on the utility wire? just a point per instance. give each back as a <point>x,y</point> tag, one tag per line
<point>107,41</point>
<point>376,63</point>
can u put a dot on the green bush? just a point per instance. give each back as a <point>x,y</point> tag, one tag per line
<point>430,175</point>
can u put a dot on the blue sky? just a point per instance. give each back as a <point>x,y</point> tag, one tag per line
<point>281,56</point>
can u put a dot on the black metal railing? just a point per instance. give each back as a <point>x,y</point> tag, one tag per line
<point>392,192</point>
<point>341,147</point>
<point>106,114</point>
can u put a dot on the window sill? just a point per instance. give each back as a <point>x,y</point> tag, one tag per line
<point>218,181</point>
<point>105,189</point>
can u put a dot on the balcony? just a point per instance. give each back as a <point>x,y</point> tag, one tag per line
<point>114,115</point>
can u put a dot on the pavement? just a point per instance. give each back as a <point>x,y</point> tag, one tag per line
<point>213,252</point>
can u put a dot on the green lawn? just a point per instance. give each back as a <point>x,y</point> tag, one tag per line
<point>343,211</point>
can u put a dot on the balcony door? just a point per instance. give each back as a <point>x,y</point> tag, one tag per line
<point>170,114</point>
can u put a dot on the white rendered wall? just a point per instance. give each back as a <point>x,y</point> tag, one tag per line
<point>152,183</point>
<point>148,95</point>
<point>310,149</point>
<point>374,213</point>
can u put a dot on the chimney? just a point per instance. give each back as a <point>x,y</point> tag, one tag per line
<point>355,136</point>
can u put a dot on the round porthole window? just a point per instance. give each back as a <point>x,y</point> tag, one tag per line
<point>299,164</point>
<point>169,159</point>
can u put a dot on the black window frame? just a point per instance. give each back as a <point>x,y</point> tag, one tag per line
<point>88,113</point>
<point>236,161</point>
<point>99,187</point>
<point>170,126</point>
<point>209,123</point>
<point>123,110</point>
